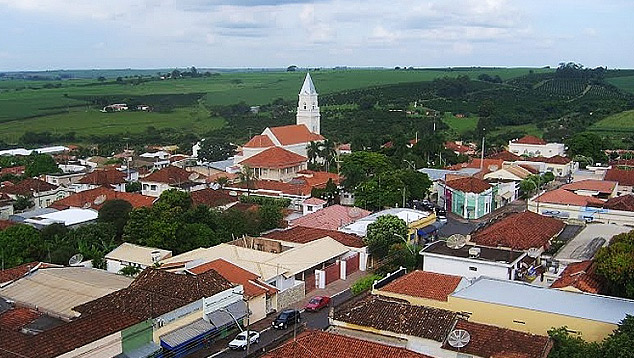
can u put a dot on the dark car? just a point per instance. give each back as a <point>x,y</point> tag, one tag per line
<point>316,303</point>
<point>286,318</point>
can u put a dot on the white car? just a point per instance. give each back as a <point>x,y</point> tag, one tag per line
<point>240,342</point>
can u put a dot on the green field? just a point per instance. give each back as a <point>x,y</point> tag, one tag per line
<point>460,125</point>
<point>625,83</point>
<point>620,122</point>
<point>85,122</point>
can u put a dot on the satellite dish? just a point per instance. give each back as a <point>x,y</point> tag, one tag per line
<point>456,241</point>
<point>533,252</point>
<point>100,200</point>
<point>458,338</point>
<point>76,260</point>
<point>193,176</point>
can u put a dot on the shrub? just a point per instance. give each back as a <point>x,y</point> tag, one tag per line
<point>364,284</point>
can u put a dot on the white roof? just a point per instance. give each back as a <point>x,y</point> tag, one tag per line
<point>308,87</point>
<point>137,254</point>
<point>68,217</point>
<point>523,295</point>
<point>54,149</point>
<point>360,227</point>
<point>159,154</point>
<point>17,151</point>
<point>58,290</point>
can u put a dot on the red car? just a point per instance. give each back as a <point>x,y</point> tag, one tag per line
<point>316,303</point>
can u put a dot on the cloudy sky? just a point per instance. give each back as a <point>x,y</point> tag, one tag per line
<point>74,34</point>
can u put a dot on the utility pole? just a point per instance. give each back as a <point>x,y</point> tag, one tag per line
<point>482,154</point>
<point>248,325</point>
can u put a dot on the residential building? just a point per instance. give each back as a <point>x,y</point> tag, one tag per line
<point>41,193</point>
<point>559,165</point>
<point>170,177</point>
<point>601,189</point>
<point>133,255</point>
<point>68,180</point>
<point>532,146</point>
<point>95,198</point>
<point>275,163</point>
<point>470,198</point>
<point>419,223</point>
<point>312,205</point>
<point>214,198</point>
<point>625,178</point>
<point>331,217</point>
<point>519,231</point>
<point>71,217</point>
<point>261,297</point>
<point>460,148</point>
<point>472,261</point>
<point>160,159</point>
<point>580,277</point>
<point>110,178</point>
<point>326,344</point>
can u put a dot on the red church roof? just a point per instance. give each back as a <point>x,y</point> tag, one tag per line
<point>274,158</point>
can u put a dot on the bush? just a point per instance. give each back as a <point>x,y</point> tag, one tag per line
<point>364,284</point>
<point>263,200</point>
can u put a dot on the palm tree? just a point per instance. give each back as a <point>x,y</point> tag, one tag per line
<point>246,175</point>
<point>312,150</point>
<point>327,151</point>
<point>222,181</point>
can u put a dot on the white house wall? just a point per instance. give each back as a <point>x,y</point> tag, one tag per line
<point>563,211</point>
<point>106,347</point>
<point>452,266</point>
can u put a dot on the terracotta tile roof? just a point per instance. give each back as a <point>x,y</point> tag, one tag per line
<point>18,317</point>
<point>156,292</point>
<point>398,316</point>
<point>27,186</point>
<point>236,275</point>
<point>505,155</point>
<point>424,284</point>
<point>19,271</point>
<point>214,177</point>
<point>520,231</point>
<point>602,186</point>
<point>345,146</point>
<point>259,141</point>
<point>294,134</point>
<point>458,147</point>
<point>317,179</point>
<point>565,197</point>
<point>169,175</point>
<point>624,203</point>
<point>314,201</point>
<point>86,199</point>
<point>331,217</point>
<point>302,235</point>
<point>290,188</point>
<point>529,139</point>
<point>104,177</point>
<point>244,207</point>
<point>582,276</point>
<point>530,168</point>
<point>557,159</point>
<point>6,223</point>
<point>495,342</point>
<point>212,198</point>
<point>622,163</point>
<point>622,176</point>
<point>324,344</point>
<point>469,185</point>
<point>13,170</point>
<point>275,158</point>
<point>488,164</point>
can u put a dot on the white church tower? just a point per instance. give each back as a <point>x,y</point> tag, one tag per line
<point>307,107</point>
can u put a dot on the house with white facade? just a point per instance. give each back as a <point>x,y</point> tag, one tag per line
<point>39,192</point>
<point>469,197</point>
<point>133,255</point>
<point>532,146</point>
<point>171,177</point>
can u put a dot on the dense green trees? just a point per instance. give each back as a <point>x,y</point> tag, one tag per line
<point>615,263</point>
<point>589,145</point>
<point>618,344</point>
<point>212,150</point>
<point>386,231</point>
<point>116,212</point>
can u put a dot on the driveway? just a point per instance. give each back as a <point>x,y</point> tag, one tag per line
<point>585,245</point>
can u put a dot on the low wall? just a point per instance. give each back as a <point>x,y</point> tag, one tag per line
<point>290,295</point>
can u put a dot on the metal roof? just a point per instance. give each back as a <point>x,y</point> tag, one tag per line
<point>439,174</point>
<point>526,296</point>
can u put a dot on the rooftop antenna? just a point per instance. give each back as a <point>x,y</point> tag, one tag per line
<point>456,241</point>
<point>458,338</point>
<point>76,260</point>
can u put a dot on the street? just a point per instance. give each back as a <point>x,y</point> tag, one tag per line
<point>313,320</point>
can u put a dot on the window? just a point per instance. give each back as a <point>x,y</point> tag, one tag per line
<point>153,187</point>
<point>473,268</point>
<point>309,207</point>
<point>518,322</point>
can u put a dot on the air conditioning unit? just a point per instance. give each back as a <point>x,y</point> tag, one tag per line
<point>474,252</point>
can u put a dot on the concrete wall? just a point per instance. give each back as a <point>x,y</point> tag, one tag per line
<point>257,306</point>
<point>535,150</point>
<point>106,347</point>
<point>137,336</point>
<point>450,266</point>
<point>290,295</point>
<point>583,213</point>
<point>6,211</point>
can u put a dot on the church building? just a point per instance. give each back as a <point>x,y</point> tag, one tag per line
<point>280,152</point>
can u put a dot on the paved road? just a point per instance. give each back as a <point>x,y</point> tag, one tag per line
<point>313,320</point>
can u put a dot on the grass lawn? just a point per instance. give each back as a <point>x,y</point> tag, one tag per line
<point>460,125</point>
<point>84,121</point>
<point>620,122</point>
<point>625,83</point>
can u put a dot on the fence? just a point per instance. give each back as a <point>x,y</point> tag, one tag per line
<point>333,273</point>
<point>389,278</point>
<point>352,264</point>
<point>310,282</point>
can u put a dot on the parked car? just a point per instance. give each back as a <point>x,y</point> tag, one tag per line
<point>240,342</point>
<point>316,303</point>
<point>441,214</point>
<point>285,318</point>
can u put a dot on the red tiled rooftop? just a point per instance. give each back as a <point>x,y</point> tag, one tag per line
<point>259,141</point>
<point>520,231</point>
<point>469,185</point>
<point>505,155</point>
<point>13,170</point>
<point>582,276</point>
<point>314,201</point>
<point>565,197</point>
<point>294,134</point>
<point>18,317</point>
<point>302,235</point>
<point>424,284</point>
<point>529,139</point>
<point>557,159</point>
<point>495,342</point>
<point>324,344</point>
<point>212,198</point>
<point>602,186</point>
<point>624,203</point>
<point>88,199</point>
<point>27,186</point>
<point>104,177</point>
<point>230,176</point>
<point>169,175</point>
<point>458,147</point>
<point>624,177</point>
<point>15,273</point>
<point>331,217</point>
<point>488,164</point>
<point>274,158</point>
<point>236,275</point>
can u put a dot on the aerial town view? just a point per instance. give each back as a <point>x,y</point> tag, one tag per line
<point>316,178</point>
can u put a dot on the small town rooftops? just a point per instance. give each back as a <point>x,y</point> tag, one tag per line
<point>294,134</point>
<point>169,175</point>
<point>519,231</point>
<point>143,255</point>
<point>28,187</point>
<point>302,235</point>
<point>522,295</point>
<point>331,217</point>
<point>565,197</point>
<point>505,155</point>
<point>469,185</point>
<point>491,254</point>
<point>68,217</point>
<point>529,139</point>
<point>580,276</point>
<point>601,186</point>
<point>398,316</point>
<point>624,203</point>
<point>360,227</point>
<point>104,177</point>
<point>624,177</point>
<point>274,158</point>
<point>212,198</point>
<point>259,141</point>
<point>434,286</point>
<point>237,275</point>
<point>94,199</point>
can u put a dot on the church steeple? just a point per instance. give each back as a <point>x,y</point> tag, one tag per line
<point>308,107</point>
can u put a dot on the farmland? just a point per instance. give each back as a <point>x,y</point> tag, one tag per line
<point>620,122</point>
<point>460,125</point>
<point>626,83</point>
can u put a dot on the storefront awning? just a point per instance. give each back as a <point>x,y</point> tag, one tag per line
<point>221,318</point>
<point>429,229</point>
